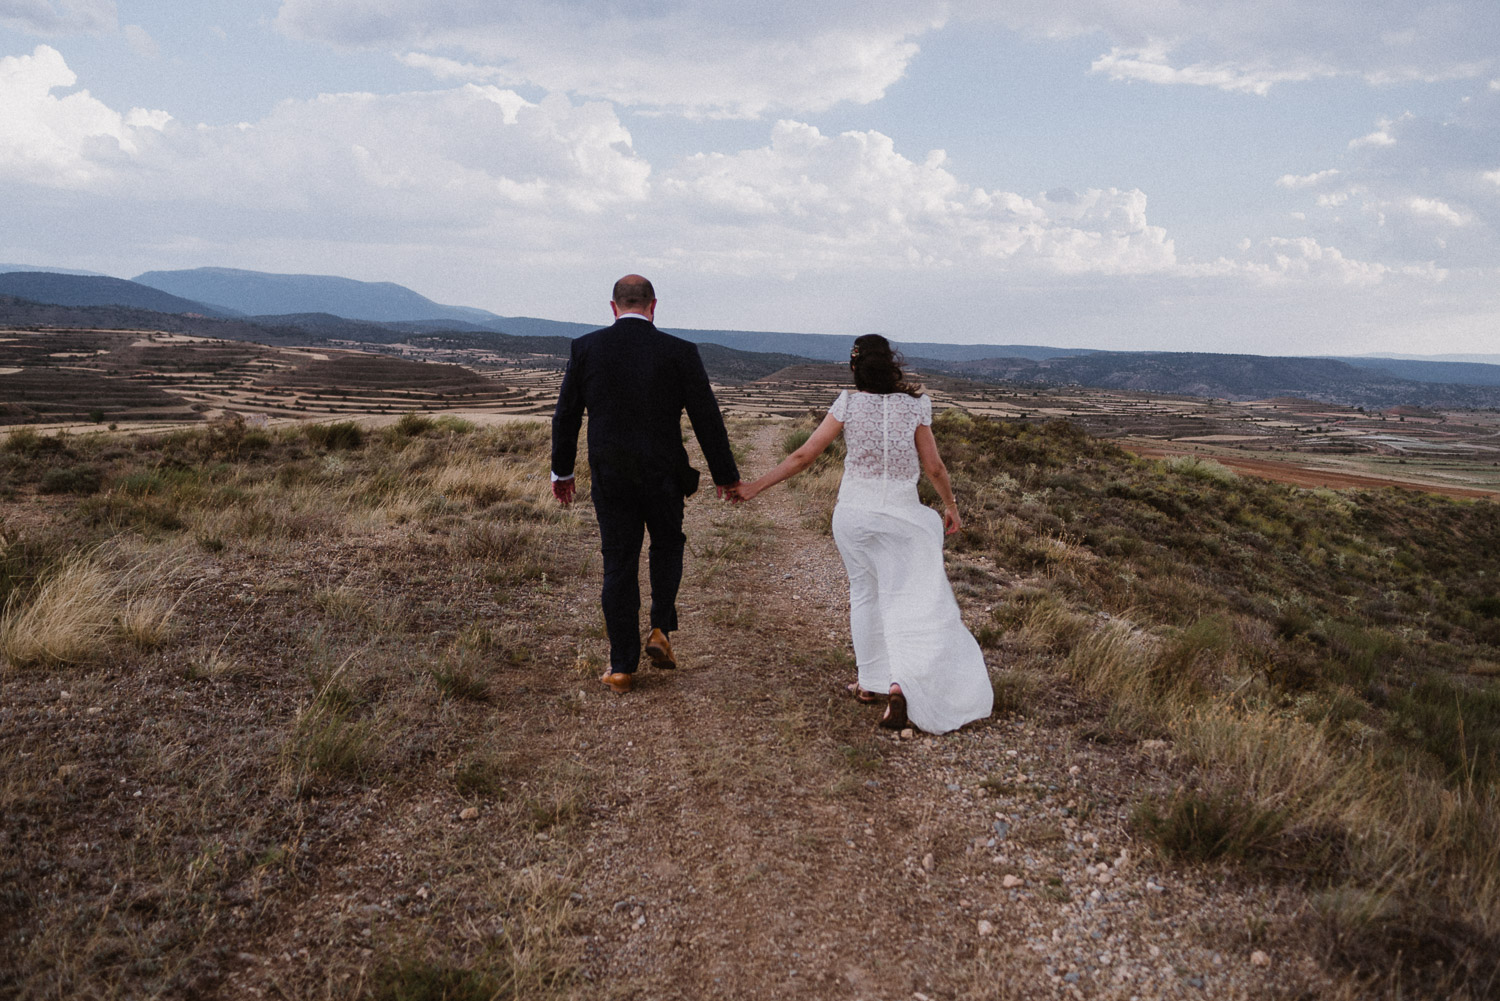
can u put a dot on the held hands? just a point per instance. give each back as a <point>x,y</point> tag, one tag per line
<point>563,490</point>
<point>743,491</point>
<point>733,493</point>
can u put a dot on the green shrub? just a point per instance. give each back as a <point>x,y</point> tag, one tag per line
<point>336,436</point>
<point>795,439</point>
<point>411,425</point>
<point>1457,724</point>
<point>1197,468</point>
<point>27,442</point>
<point>71,480</point>
<point>453,425</point>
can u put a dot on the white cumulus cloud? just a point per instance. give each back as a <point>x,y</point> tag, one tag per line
<point>717,57</point>
<point>1151,65</point>
<point>1314,180</point>
<point>1252,45</point>
<point>812,202</point>
<point>141,42</point>
<point>1380,137</point>
<point>1279,260</point>
<point>1431,208</point>
<point>67,141</point>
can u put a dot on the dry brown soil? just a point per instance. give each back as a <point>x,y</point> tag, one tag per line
<point>737,828</point>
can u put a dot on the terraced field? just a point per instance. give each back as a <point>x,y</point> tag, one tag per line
<point>68,379</point>
<point>97,376</point>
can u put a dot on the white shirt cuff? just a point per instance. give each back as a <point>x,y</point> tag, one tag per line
<point>559,479</point>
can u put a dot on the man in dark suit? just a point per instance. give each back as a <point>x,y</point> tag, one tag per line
<point>635,382</point>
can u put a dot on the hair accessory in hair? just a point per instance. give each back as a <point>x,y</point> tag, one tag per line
<point>853,353</point>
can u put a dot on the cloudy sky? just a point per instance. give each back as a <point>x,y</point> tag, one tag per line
<point>1275,176</point>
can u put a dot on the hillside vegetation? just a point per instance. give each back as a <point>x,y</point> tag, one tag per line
<point>1323,663</point>
<point>309,711</point>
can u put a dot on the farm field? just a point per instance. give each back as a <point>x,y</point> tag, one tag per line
<point>77,380</point>
<point>69,378</point>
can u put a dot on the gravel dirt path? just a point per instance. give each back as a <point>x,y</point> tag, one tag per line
<point>769,842</point>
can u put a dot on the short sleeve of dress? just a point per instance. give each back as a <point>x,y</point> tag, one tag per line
<point>926,402</point>
<point>840,409</point>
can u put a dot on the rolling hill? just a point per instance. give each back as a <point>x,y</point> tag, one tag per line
<point>260,293</point>
<point>96,290</point>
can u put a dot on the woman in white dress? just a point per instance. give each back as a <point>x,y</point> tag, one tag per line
<point>909,638</point>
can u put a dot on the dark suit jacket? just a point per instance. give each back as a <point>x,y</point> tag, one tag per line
<point>635,382</point>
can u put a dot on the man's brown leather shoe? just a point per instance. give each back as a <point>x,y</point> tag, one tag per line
<point>660,651</point>
<point>619,681</point>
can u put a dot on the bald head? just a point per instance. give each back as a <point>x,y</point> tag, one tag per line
<point>633,294</point>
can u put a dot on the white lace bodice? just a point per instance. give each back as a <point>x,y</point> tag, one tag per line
<point>879,434</point>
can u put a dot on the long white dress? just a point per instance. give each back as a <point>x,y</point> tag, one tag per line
<point>905,622</point>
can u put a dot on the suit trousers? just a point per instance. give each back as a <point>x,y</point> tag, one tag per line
<point>624,519</point>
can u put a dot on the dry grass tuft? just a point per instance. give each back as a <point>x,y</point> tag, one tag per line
<point>146,622</point>
<point>75,612</point>
<point>69,619</point>
<point>481,480</point>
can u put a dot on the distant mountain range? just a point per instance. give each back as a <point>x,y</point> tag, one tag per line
<point>303,309</point>
<point>275,297</point>
<point>724,364</point>
<point>1468,373</point>
<point>5,268</point>
<point>255,293</point>
<point>97,290</point>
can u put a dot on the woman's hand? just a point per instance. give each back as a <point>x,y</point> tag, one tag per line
<point>951,521</point>
<point>749,490</point>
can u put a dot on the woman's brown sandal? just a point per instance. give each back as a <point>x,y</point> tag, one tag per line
<point>862,695</point>
<point>895,713</point>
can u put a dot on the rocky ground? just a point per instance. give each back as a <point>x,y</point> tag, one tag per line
<point>737,828</point>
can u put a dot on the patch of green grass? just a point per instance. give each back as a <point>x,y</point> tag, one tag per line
<point>1205,827</point>
<point>425,980</point>
<point>457,680</point>
<point>479,777</point>
<point>328,745</point>
<point>1457,723</point>
<point>795,439</point>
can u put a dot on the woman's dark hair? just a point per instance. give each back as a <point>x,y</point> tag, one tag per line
<point>877,368</point>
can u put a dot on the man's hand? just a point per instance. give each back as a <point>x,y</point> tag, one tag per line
<point>563,490</point>
<point>731,493</point>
